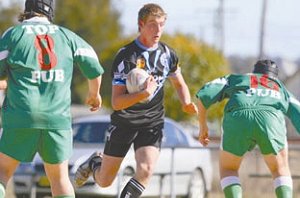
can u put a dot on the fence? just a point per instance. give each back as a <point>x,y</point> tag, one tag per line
<point>255,177</point>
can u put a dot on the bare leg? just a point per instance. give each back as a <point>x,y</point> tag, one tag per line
<point>146,158</point>
<point>8,166</point>
<point>229,166</point>
<point>58,175</point>
<point>105,175</point>
<point>279,168</point>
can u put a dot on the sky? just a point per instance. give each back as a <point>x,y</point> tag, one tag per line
<point>241,24</point>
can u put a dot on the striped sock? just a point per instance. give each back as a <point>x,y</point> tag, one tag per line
<point>231,187</point>
<point>133,189</point>
<point>283,187</point>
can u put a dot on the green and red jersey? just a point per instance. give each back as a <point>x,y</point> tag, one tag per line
<point>38,59</point>
<point>251,90</point>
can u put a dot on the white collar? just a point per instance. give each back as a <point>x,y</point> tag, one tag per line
<point>38,19</point>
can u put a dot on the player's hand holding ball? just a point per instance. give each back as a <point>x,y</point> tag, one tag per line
<point>138,80</point>
<point>150,85</point>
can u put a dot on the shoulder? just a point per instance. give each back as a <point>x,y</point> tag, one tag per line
<point>64,29</point>
<point>222,80</point>
<point>10,30</point>
<point>69,33</point>
<point>127,49</point>
<point>168,53</point>
<point>166,47</point>
<point>237,76</point>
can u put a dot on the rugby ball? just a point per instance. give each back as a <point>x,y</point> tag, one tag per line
<point>136,79</point>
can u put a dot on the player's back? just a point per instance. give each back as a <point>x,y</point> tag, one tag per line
<point>255,91</point>
<point>39,69</point>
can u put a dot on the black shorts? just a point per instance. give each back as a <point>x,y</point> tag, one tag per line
<point>119,139</point>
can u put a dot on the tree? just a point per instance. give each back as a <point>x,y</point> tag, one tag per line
<point>97,22</point>
<point>200,63</point>
<point>8,15</point>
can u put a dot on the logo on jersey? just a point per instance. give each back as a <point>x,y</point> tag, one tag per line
<point>140,63</point>
<point>270,87</point>
<point>57,75</point>
<point>164,60</point>
<point>40,29</point>
<point>264,93</point>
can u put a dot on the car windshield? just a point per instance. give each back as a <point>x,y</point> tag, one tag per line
<point>89,132</point>
<point>95,132</point>
<point>173,136</point>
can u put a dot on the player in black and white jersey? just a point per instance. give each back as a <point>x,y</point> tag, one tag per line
<point>135,122</point>
<point>161,62</point>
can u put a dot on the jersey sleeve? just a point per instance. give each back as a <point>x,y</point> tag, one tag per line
<point>122,64</point>
<point>213,92</point>
<point>293,112</point>
<point>86,58</point>
<point>174,62</point>
<point>4,52</point>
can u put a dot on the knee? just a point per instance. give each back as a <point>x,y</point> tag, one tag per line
<point>279,171</point>
<point>145,170</point>
<point>104,183</point>
<point>5,176</point>
<point>103,180</point>
<point>228,172</point>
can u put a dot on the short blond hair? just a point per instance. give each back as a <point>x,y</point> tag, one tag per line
<point>151,9</point>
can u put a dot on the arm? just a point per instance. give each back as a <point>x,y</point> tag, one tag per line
<point>293,112</point>
<point>183,93</point>
<point>203,128</point>
<point>121,99</point>
<point>94,99</point>
<point>3,84</point>
<point>209,94</point>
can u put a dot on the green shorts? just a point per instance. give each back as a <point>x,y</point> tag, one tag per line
<point>54,146</point>
<point>244,129</point>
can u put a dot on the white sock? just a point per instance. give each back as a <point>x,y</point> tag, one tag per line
<point>227,181</point>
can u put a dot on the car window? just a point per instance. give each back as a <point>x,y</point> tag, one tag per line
<point>89,132</point>
<point>174,136</point>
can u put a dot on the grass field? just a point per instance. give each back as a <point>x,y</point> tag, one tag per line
<point>253,187</point>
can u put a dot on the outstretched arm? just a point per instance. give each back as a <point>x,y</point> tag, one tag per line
<point>203,128</point>
<point>183,93</point>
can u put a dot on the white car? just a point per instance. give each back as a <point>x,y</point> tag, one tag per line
<point>184,167</point>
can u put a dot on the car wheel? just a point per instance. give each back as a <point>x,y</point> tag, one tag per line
<point>197,186</point>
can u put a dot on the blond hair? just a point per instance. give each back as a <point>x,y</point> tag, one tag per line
<point>150,9</point>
